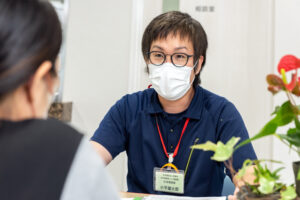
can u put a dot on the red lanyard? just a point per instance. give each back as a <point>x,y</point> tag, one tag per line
<point>162,141</point>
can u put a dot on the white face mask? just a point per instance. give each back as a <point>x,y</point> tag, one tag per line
<point>169,81</point>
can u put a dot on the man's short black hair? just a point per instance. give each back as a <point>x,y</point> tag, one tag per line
<point>176,22</point>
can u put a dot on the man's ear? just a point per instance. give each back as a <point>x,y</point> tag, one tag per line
<point>199,65</point>
<point>37,81</point>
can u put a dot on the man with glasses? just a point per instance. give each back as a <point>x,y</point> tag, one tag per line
<point>156,127</point>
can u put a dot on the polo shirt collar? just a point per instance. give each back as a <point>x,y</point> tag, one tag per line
<point>195,108</point>
<point>155,106</point>
<point>193,112</point>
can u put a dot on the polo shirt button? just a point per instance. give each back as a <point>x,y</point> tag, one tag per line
<point>171,146</point>
<point>171,130</point>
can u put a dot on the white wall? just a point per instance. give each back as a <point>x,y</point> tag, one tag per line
<point>101,67</point>
<point>287,41</point>
<point>143,12</point>
<point>239,57</point>
<point>97,64</point>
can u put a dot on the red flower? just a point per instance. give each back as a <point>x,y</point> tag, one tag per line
<point>288,63</point>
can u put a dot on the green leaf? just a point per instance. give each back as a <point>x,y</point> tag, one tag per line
<point>292,137</point>
<point>279,186</point>
<point>208,146</point>
<point>268,129</point>
<point>298,174</point>
<point>222,151</point>
<point>269,160</point>
<point>266,179</point>
<point>276,172</point>
<point>292,131</point>
<point>242,171</point>
<point>232,142</point>
<point>260,169</point>
<point>284,115</point>
<point>276,110</point>
<point>288,194</point>
<point>297,123</point>
<point>266,185</point>
<point>256,173</point>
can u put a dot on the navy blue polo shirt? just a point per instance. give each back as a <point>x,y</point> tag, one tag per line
<point>130,126</point>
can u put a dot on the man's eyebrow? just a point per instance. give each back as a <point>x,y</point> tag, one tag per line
<point>176,49</point>
<point>155,46</point>
<point>179,48</point>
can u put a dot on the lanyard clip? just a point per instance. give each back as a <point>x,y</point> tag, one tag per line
<point>171,159</point>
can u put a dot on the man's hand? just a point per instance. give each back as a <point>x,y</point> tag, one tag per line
<point>234,196</point>
<point>239,182</point>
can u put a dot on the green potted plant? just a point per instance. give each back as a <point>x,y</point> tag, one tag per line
<point>266,184</point>
<point>286,115</point>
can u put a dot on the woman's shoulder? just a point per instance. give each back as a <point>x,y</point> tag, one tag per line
<point>49,132</point>
<point>88,169</point>
<point>55,128</point>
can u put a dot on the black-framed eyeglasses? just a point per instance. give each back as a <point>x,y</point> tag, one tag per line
<point>178,59</point>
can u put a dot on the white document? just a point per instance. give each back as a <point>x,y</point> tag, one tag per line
<point>168,197</point>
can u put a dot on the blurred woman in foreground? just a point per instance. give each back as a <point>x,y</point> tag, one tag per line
<point>39,158</point>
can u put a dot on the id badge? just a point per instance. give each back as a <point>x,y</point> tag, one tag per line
<point>168,180</point>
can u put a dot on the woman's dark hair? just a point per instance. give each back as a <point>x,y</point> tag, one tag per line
<point>30,34</point>
<point>176,22</point>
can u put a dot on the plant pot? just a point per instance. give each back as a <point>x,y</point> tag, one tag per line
<point>296,166</point>
<point>246,194</point>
